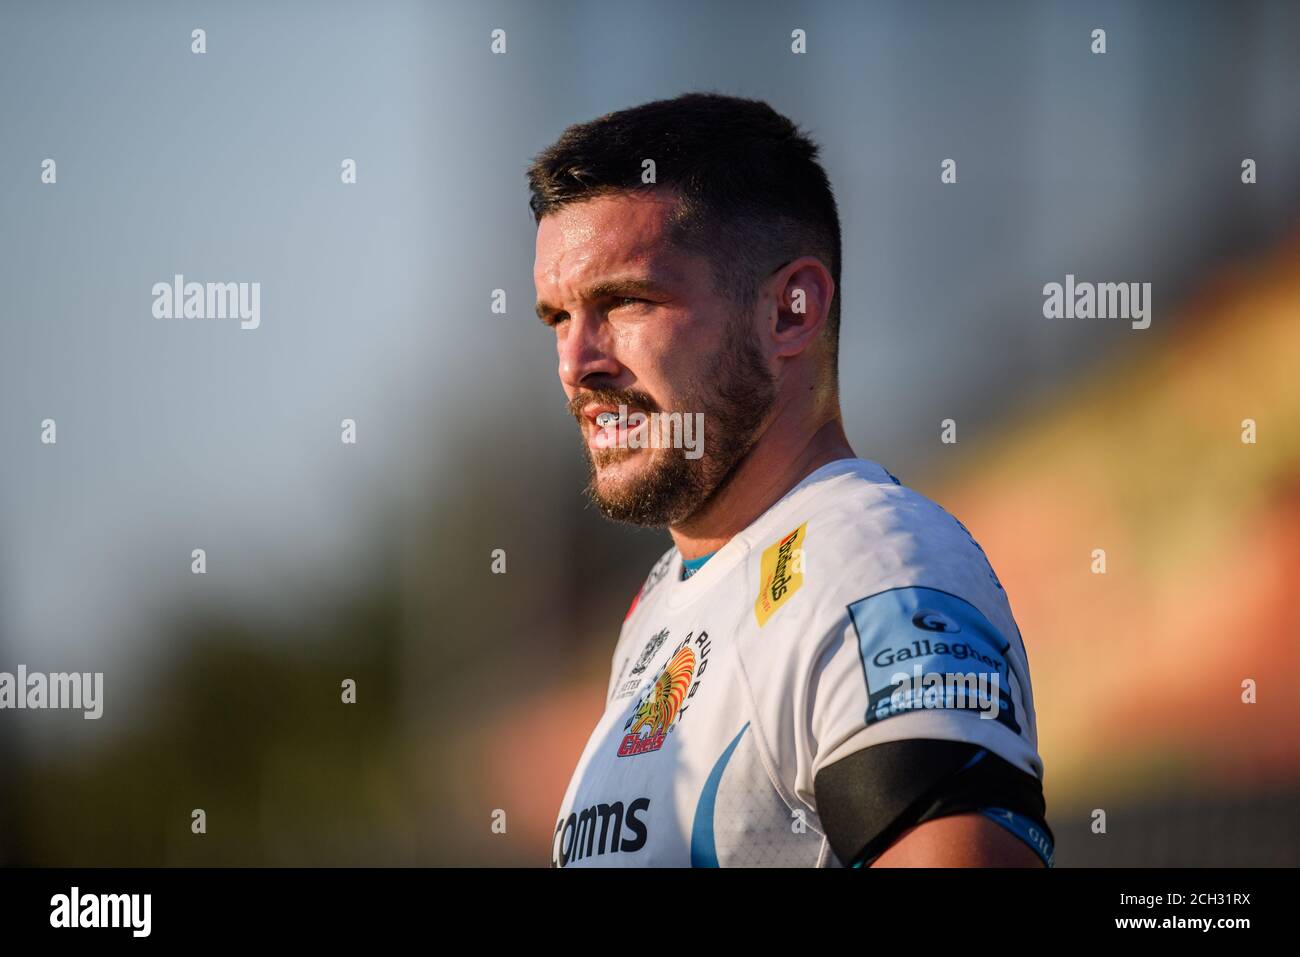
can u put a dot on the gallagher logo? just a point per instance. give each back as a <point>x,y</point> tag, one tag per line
<point>665,702</point>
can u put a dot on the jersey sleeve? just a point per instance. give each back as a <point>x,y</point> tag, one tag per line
<point>906,637</point>
<point>890,626</point>
<point>916,707</point>
<point>916,662</point>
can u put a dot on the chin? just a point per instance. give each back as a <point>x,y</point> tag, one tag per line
<point>620,476</point>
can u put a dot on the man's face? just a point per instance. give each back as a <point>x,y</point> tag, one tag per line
<point>638,323</point>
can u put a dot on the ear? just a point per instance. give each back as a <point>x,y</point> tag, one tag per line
<point>801,291</point>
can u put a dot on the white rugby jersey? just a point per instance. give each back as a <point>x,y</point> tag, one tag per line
<point>808,636</point>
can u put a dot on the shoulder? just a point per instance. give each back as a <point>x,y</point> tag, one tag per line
<point>870,596</point>
<point>861,533</point>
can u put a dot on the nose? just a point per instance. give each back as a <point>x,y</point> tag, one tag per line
<point>584,350</point>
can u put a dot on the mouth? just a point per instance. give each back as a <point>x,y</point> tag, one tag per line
<point>610,427</point>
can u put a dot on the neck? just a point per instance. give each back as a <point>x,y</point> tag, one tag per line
<point>772,467</point>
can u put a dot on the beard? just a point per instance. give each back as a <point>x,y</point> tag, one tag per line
<point>668,488</point>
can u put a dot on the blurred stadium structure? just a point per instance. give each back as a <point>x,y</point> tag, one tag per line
<point>1138,672</point>
<point>476,692</point>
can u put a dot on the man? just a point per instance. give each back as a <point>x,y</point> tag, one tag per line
<point>824,669</point>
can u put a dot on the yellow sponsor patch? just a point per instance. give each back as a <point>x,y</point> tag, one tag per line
<point>781,574</point>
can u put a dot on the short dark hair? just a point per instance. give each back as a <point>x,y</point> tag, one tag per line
<point>752,196</point>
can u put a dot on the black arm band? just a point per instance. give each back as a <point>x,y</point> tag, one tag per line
<point>868,799</point>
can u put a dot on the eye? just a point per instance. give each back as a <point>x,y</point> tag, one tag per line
<point>624,300</point>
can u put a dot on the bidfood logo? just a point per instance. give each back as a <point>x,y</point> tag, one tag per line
<point>781,574</point>
<point>600,829</point>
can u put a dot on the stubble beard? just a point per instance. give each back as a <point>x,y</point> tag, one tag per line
<point>669,488</point>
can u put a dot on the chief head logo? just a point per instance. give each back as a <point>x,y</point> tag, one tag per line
<point>660,706</point>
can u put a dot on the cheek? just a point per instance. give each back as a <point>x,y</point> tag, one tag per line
<point>682,362</point>
<point>655,362</point>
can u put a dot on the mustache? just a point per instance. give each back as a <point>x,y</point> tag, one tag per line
<point>634,399</point>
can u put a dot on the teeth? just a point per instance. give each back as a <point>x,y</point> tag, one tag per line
<point>607,419</point>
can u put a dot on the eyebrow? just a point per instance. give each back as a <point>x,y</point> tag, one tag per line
<point>607,289</point>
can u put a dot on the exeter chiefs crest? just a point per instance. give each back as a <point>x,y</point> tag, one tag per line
<point>665,700</point>
<point>648,652</point>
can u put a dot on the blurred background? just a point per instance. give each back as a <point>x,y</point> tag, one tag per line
<point>476,691</point>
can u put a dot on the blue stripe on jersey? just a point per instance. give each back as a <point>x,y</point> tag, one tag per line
<point>1023,828</point>
<point>704,852</point>
<point>1019,825</point>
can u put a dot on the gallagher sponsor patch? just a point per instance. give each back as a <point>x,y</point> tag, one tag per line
<point>922,648</point>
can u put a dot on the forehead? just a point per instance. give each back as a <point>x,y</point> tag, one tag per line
<point>622,232</point>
